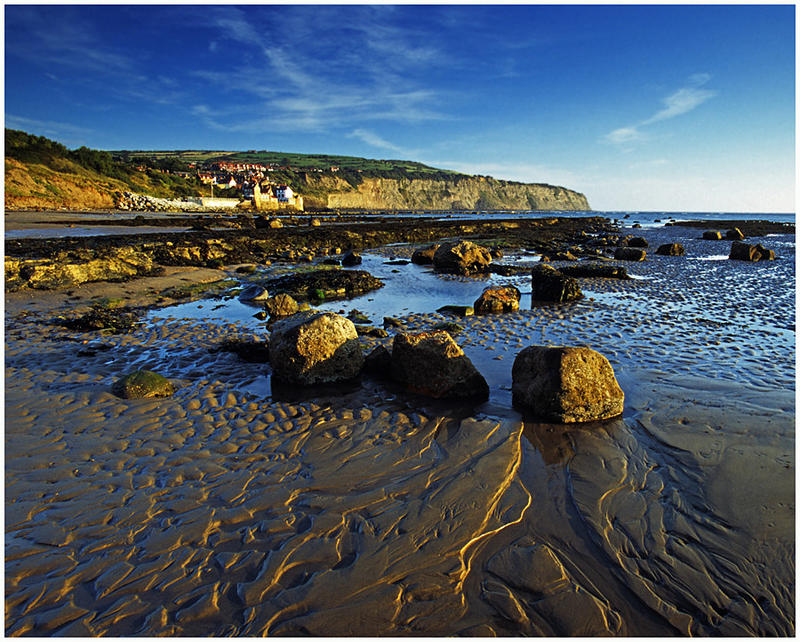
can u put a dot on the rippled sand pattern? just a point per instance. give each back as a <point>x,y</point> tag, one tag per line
<point>229,511</point>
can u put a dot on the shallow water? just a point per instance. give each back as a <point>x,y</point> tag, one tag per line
<point>235,509</point>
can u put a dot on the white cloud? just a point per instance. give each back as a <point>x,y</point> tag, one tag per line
<point>624,135</point>
<point>371,138</point>
<point>681,102</point>
<point>678,103</point>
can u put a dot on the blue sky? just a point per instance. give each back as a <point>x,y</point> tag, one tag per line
<point>675,108</point>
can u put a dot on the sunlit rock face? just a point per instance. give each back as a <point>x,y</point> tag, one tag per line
<point>494,300</point>
<point>462,257</point>
<point>566,385</point>
<point>312,347</point>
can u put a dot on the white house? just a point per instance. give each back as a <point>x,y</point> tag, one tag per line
<point>284,193</point>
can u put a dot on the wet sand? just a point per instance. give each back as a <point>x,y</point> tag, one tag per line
<point>236,509</point>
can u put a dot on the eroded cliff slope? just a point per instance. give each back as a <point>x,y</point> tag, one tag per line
<point>460,192</point>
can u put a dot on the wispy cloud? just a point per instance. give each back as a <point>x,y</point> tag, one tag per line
<point>371,138</point>
<point>61,41</point>
<point>678,103</point>
<point>320,85</point>
<point>625,135</point>
<point>65,132</point>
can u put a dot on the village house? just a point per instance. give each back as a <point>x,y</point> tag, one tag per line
<point>269,196</point>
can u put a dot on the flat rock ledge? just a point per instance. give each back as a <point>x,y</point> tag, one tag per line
<point>566,384</point>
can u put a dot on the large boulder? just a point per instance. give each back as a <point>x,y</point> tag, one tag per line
<point>315,347</point>
<point>671,249</point>
<point>637,241</point>
<point>462,257</point>
<point>566,384</point>
<point>712,235</point>
<point>746,252</point>
<point>629,254</point>
<point>424,255</point>
<point>433,364</point>
<point>497,299</point>
<point>548,284</point>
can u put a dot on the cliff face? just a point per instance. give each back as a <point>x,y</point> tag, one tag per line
<point>470,193</point>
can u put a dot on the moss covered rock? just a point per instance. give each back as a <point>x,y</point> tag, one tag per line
<point>141,384</point>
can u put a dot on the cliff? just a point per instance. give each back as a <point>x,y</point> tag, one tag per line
<point>458,193</point>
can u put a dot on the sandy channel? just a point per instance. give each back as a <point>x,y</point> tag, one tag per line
<point>232,510</point>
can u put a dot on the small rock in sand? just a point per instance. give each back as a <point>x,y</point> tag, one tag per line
<point>141,384</point>
<point>458,310</point>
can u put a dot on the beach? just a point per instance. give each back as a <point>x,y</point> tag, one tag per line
<point>237,507</point>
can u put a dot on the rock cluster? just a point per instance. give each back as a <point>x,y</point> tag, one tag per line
<point>566,384</point>
<point>324,285</point>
